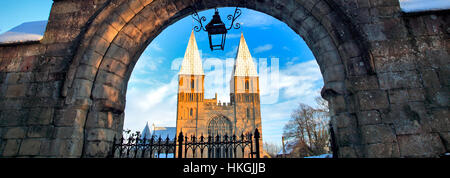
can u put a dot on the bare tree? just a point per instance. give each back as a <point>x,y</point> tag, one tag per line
<point>271,148</point>
<point>309,128</point>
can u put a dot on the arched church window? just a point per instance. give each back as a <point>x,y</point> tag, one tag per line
<point>246,85</point>
<point>190,113</point>
<point>219,126</point>
<point>192,84</point>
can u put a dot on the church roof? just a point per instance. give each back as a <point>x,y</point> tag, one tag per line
<point>157,132</point>
<point>243,64</point>
<point>26,32</point>
<point>163,132</point>
<point>146,133</point>
<point>192,63</point>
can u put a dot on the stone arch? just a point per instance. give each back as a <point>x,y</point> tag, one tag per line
<point>96,82</point>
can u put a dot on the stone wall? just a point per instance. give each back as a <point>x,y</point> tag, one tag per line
<point>386,73</point>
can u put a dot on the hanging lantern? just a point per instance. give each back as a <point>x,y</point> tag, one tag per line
<point>216,28</point>
<point>217,32</point>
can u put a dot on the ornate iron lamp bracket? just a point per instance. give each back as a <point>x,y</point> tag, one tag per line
<point>237,13</point>
<point>200,20</point>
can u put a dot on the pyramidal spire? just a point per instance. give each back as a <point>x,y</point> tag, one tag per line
<point>146,132</point>
<point>192,63</point>
<point>243,64</point>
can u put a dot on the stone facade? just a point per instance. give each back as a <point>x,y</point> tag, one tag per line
<point>386,73</point>
<point>198,116</point>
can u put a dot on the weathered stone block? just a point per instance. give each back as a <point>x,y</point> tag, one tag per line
<point>349,152</point>
<point>70,117</point>
<point>334,73</point>
<point>393,80</point>
<point>382,150</point>
<point>30,147</point>
<point>67,148</point>
<point>125,12</point>
<point>15,132</point>
<point>416,94</point>
<point>14,91</point>
<point>119,53</point>
<point>13,117</point>
<point>114,66</point>
<point>369,117</point>
<point>337,104</point>
<point>399,63</point>
<point>99,120</point>
<point>398,96</point>
<point>440,120</point>
<point>344,120</point>
<point>100,134</point>
<point>83,88</point>
<point>58,50</point>
<point>373,99</point>
<point>92,58</point>
<point>97,149</point>
<point>126,42</point>
<point>374,32</point>
<point>11,147</point>
<point>86,72</point>
<point>357,83</point>
<point>423,145</point>
<point>99,44</point>
<point>404,120</point>
<point>106,92</point>
<point>349,50</point>
<point>40,131</point>
<point>377,134</point>
<point>347,136</point>
<point>76,132</point>
<point>111,79</point>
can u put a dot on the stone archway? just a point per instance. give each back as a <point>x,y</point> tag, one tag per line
<point>97,79</point>
<point>385,74</point>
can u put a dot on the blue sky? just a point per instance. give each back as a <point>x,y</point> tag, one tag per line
<point>152,88</point>
<point>16,12</point>
<point>290,78</point>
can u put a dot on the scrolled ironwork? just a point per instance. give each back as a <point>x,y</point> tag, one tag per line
<point>134,146</point>
<point>237,13</point>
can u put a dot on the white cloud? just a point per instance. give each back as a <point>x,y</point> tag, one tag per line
<point>147,64</point>
<point>262,48</point>
<point>156,104</point>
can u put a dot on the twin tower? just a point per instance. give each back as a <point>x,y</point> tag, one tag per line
<point>197,115</point>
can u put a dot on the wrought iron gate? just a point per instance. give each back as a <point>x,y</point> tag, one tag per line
<point>243,146</point>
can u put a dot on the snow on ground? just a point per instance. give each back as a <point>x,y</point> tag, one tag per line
<point>424,5</point>
<point>321,156</point>
<point>26,32</point>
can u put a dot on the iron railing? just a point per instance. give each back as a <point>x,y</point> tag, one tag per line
<point>133,146</point>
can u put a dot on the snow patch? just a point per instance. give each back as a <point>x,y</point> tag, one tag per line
<point>424,5</point>
<point>321,156</point>
<point>26,32</point>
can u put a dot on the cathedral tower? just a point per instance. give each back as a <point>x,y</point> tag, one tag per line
<point>197,115</point>
<point>190,89</point>
<point>244,94</point>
